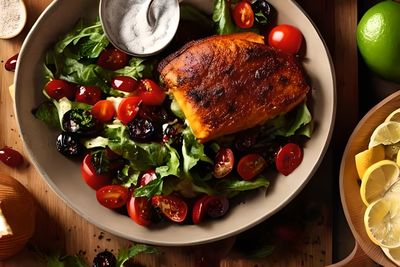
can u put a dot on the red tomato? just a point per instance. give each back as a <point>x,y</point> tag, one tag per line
<point>124,83</point>
<point>251,165</point>
<point>103,110</point>
<point>58,89</point>
<point>112,196</point>
<point>112,59</point>
<point>93,179</point>
<point>140,210</point>
<point>150,92</point>
<point>88,94</point>
<point>128,108</point>
<point>288,158</point>
<point>173,207</point>
<point>223,162</point>
<point>199,209</point>
<point>11,63</point>
<point>147,177</point>
<point>11,157</point>
<point>286,38</point>
<point>217,206</point>
<point>243,15</point>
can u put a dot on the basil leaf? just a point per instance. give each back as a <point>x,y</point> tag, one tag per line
<point>222,18</point>
<point>128,176</point>
<point>235,184</point>
<point>127,253</point>
<point>153,188</point>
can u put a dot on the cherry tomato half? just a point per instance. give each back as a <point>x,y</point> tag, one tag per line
<point>88,94</point>
<point>173,207</point>
<point>250,166</point>
<point>112,59</point>
<point>93,179</point>
<point>243,15</point>
<point>112,196</point>
<point>58,89</point>
<point>11,157</point>
<point>140,210</point>
<point>223,162</point>
<point>213,206</point>
<point>103,110</point>
<point>128,108</point>
<point>147,177</point>
<point>288,158</point>
<point>150,92</point>
<point>286,38</point>
<point>124,83</point>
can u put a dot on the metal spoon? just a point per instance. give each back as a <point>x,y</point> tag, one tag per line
<point>140,27</point>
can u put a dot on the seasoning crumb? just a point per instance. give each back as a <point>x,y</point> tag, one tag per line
<point>108,239</point>
<point>101,236</point>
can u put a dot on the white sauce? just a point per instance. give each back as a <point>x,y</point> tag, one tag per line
<point>12,18</point>
<point>137,28</point>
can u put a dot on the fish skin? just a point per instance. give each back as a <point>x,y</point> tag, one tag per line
<point>228,83</point>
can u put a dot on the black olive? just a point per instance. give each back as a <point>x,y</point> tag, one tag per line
<point>141,129</point>
<point>262,11</point>
<point>80,122</point>
<point>68,145</point>
<point>104,259</point>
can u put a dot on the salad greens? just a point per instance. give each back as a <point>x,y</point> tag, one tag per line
<point>178,165</point>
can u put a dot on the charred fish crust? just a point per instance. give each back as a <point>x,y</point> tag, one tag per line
<point>228,69</point>
<point>196,95</point>
<point>231,108</point>
<point>218,92</point>
<point>283,79</point>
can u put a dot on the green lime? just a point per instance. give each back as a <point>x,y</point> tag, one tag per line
<point>378,39</point>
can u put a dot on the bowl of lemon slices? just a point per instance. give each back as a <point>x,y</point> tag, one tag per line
<point>370,182</point>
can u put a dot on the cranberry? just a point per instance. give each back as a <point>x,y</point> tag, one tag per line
<point>11,63</point>
<point>11,157</point>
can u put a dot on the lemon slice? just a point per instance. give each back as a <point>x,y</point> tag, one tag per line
<point>368,157</point>
<point>394,116</point>
<point>377,179</point>
<point>393,254</point>
<point>382,222</point>
<point>386,133</point>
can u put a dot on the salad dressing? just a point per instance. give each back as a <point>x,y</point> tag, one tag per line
<point>141,27</point>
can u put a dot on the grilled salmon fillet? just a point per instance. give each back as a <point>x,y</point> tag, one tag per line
<point>228,83</point>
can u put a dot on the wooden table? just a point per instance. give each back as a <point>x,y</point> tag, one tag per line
<point>60,228</point>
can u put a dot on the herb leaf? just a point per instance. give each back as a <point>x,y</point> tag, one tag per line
<point>125,254</point>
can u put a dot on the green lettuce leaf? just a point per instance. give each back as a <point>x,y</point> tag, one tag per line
<point>48,113</point>
<point>235,184</point>
<point>192,151</point>
<point>222,18</point>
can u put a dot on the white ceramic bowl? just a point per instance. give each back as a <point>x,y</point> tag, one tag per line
<point>64,177</point>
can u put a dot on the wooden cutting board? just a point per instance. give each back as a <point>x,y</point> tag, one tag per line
<point>60,228</point>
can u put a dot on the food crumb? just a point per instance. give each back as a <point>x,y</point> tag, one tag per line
<point>108,239</point>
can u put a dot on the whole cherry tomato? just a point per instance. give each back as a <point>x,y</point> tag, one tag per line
<point>124,83</point>
<point>172,207</point>
<point>128,108</point>
<point>112,59</point>
<point>58,89</point>
<point>88,94</point>
<point>150,92</point>
<point>288,158</point>
<point>250,166</point>
<point>93,179</point>
<point>223,162</point>
<point>112,196</point>
<point>243,15</point>
<point>286,38</point>
<point>103,110</point>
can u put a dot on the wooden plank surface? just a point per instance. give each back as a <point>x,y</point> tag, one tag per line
<point>60,228</point>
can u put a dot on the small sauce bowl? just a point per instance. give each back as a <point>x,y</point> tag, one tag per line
<point>140,27</point>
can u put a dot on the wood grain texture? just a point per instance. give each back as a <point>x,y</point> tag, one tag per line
<point>60,228</point>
